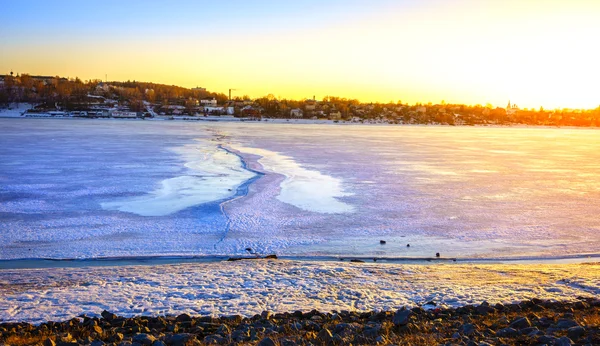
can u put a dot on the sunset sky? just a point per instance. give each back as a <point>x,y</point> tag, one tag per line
<point>532,52</point>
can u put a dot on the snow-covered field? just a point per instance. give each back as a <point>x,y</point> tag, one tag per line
<point>80,188</point>
<point>249,287</point>
<point>15,110</point>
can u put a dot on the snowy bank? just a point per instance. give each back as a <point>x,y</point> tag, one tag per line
<point>249,287</point>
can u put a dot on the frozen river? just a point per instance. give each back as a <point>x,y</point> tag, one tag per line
<point>109,188</point>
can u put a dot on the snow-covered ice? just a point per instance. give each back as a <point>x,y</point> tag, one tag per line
<point>464,192</point>
<point>306,189</point>
<point>213,175</point>
<point>249,287</point>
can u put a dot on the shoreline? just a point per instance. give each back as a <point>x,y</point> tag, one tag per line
<point>153,260</point>
<point>532,321</point>
<point>231,119</point>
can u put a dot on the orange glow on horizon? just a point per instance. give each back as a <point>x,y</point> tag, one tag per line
<point>534,53</point>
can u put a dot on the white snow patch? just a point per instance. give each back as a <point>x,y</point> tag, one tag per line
<point>306,189</point>
<point>249,287</point>
<point>15,110</point>
<point>213,174</point>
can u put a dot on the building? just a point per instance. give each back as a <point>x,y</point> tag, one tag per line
<point>208,102</point>
<point>310,105</point>
<point>511,109</point>
<point>296,112</point>
<point>198,89</point>
<point>124,114</point>
<point>335,115</point>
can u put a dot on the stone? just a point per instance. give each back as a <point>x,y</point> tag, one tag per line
<point>520,323</point>
<point>324,335</point>
<point>143,339</point>
<point>507,332</point>
<point>223,330</point>
<point>401,317</point>
<point>575,332</point>
<point>97,343</point>
<point>566,323</point>
<point>49,342</point>
<point>546,339</point>
<point>214,339</point>
<point>158,343</point>
<point>178,339</point>
<point>531,331</point>
<point>466,329</point>
<point>382,242</point>
<point>266,315</point>
<point>240,335</point>
<point>97,329</point>
<point>116,337</point>
<point>183,318</point>
<point>266,342</point>
<point>109,316</point>
<point>563,341</point>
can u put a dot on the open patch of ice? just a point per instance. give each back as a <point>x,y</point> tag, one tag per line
<point>304,188</point>
<point>213,174</point>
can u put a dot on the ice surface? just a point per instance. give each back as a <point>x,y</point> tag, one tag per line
<point>304,188</point>
<point>250,287</point>
<point>462,191</point>
<point>213,175</point>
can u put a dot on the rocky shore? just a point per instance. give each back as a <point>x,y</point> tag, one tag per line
<point>531,322</point>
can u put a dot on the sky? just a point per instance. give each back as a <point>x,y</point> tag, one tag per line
<point>531,52</point>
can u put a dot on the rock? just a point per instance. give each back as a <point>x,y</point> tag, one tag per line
<point>240,335</point>
<point>287,342</point>
<point>546,339</point>
<point>97,329</point>
<point>97,343</point>
<point>382,242</point>
<point>266,342</point>
<point>49,342</point>
<point>520,323</point>
<point>507,332</point>
<point>401,317</point>
<point>437,254</point>
<point>183,318</point>
<point>407,245</point>
<point>109,316</point>
<point>324,336</point>
<point>158,343</point>
<point>575,332</point>
<point>466,329</point>
<point>563,341</point>
<point>357,261</point>
<point>214,339</point>
<point>143,339</point>
<point>270,257</point>
<point>115,338</point>
<point>223,330</point>
<point>530,331</point>
<point>266,314</point>
<point>566,323</point>
<point>178,339</point>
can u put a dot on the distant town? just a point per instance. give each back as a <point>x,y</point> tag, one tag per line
<point>53,96</point>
